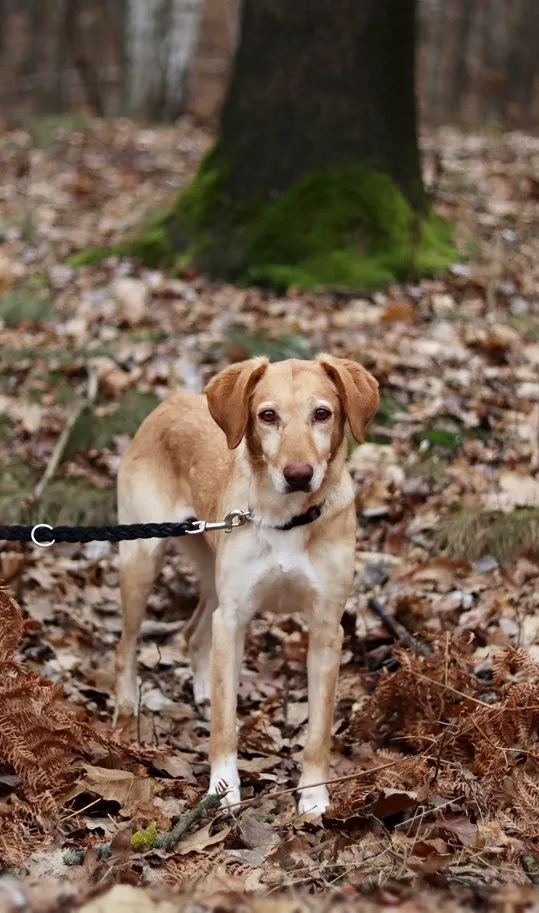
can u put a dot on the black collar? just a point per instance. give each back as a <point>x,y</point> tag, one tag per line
<point>310,515</point>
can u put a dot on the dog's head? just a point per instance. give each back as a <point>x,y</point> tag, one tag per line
<point>293,414</point>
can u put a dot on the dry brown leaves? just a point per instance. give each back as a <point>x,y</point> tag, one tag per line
<point>457,359</point>
<point>41,739</point>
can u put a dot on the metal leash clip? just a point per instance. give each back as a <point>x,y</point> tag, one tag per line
<point>36,541</point>
<point>233,520</point>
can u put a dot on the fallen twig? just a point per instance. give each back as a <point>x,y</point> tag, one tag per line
<point>147,839</point>
<point>466,697</point>
<point>209,802</point>
<point>61,443</point>
<point>397,629</point>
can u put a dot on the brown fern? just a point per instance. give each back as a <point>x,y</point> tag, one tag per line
<point>482,753</point>
<point>39,737</point>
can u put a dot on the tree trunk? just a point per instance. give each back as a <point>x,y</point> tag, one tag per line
<point>322,84</point>
<point>160,39</point>
<point>315,177</point>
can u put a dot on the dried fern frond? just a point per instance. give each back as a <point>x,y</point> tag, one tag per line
<point>485,753</point>
<point>39,738</point>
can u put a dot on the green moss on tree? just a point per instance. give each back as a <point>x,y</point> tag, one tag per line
<point>344,227</point>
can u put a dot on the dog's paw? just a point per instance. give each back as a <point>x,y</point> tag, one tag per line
<point>225,779</point>
<point>232,795</point>
<point>125,715</point>
<point>125,726</point>
<point>313,801</point>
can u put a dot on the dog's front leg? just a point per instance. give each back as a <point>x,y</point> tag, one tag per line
<point>325,642</point>
<point>228,638</point>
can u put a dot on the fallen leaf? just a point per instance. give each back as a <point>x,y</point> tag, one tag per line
<point>516,490</point>
<point>393,801</point>
<point>201,839</point>
<point>117,785</point>
<point>461,827</point>
<point>257,834</point>
<point>7,275</point>
<point>116,381</point>
<point>428,847</point>
<point>176,767</point>
<point>155,700</point>
<point>400,311</point>
<point>28,414</point>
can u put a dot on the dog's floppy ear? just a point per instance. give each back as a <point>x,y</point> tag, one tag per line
<point>357,389</point>
<point>228,395</point>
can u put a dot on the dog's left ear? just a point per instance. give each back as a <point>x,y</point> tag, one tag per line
<point>357,389</point>
<point>228,395</point>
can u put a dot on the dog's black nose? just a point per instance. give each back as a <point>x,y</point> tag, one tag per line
<point>298,475</point>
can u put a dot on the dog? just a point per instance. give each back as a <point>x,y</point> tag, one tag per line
<point>269,439</point>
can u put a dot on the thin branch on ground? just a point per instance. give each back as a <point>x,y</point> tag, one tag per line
<point>62,442</point>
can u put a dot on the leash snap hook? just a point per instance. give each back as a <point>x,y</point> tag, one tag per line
<point>233,520</point>
<point>236,518</point>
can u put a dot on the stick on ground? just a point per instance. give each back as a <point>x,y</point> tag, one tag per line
<point>397,629</point>
<point>61,443</point>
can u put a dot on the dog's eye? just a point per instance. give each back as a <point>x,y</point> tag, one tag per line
<point>321,414</point>
<point>269,416</point>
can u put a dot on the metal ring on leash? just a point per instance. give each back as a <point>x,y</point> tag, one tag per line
<point>33,535</point>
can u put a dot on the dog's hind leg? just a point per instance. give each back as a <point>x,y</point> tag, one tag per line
<point>140,562</point>
<point>198,630</point>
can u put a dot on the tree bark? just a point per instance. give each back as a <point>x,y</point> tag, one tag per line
<point>320,84</point>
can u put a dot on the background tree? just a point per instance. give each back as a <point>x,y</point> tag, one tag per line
<point>476,61</point>
<point>315,176</point>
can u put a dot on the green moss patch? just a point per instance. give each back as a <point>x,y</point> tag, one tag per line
<point>74,501</point>
<point>350,227</point>
<point>48,129</point>
<point>275,348</point>
<point>346,228</point>
<point>71,500</point>
<point>96,428</point>
<point>28,302</point>
<point>64,500</point>
<point>94,255</point>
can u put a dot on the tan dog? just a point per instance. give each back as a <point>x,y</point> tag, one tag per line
<point>284,425</point>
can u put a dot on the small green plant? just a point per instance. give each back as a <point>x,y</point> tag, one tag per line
<point>44,131</point>
<point>30,301</point>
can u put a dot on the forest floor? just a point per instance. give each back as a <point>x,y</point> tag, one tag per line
<point>435,743</point>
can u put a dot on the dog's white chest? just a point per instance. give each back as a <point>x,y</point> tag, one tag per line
<point>284,551</point>
<point>274,571</point>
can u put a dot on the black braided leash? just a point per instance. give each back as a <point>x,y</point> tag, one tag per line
<point>44,535</point>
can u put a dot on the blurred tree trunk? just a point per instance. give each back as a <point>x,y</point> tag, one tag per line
<point>523,63</point>
<point>160,39</point>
